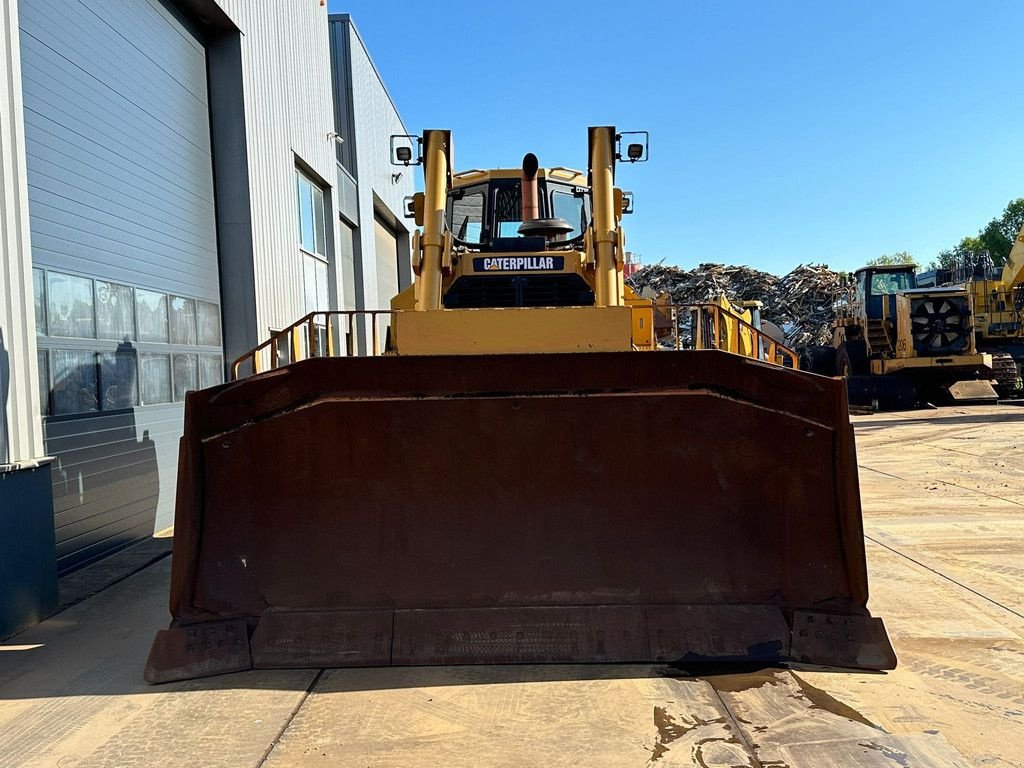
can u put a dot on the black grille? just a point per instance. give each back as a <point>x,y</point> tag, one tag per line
<point>939,325</point>
<point>476,291</point>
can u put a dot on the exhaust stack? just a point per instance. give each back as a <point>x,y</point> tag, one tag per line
<point>530,206</point>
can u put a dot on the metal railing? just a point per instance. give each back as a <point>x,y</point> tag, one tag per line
<point>333,333</point>
<point>710,326</point>
<point>336,333</point>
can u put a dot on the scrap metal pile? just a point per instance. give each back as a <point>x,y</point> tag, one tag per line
<point>802,302</point>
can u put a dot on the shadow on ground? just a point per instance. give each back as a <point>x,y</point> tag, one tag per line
<point>933,418</point>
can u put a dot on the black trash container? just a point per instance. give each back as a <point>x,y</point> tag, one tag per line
<point>28,558</point>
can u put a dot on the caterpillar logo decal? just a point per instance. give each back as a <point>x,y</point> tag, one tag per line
<point>518,263</point>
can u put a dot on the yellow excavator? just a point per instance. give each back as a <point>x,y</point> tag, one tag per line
<point>525,474</point>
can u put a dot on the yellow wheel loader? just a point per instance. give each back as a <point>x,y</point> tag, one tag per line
<point>897,343</point>
<point>523,475</point>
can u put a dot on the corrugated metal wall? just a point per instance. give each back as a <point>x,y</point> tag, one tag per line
<point>376,120</point>
<point>289,113</point>
<point>367,118</point>
<point>114,483</point>
<point>120,189</point>
<point>118,136</point>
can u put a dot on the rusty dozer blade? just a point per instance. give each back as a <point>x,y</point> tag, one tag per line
<point>598,507</point>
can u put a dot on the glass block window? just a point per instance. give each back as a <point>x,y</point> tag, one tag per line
<point>148,347</point>
<point>115,311</point>
<point>183,320</point>
<point>39,292</point>
<point>152,311</point>
<point>74,382</point>
<point>70,305</point>
<point>155,377</point>
<point>208,324</point>
<point>211,370</point>
<point>118,379</point>
<point>186,375</point>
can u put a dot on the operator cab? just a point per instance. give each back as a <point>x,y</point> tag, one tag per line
<point>521,237</point>
<point>487,215</point>
<point>876,283</point>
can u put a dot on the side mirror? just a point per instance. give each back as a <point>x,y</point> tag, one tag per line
<point>402,150</point>
<point>637,151</point>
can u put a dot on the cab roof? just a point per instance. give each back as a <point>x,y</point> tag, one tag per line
<point>476,176</point>
<point>889,268</point>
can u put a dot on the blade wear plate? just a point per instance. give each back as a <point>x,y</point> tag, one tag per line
<point>468,495</point>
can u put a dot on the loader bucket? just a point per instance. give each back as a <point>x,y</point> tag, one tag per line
<point>597,507</point>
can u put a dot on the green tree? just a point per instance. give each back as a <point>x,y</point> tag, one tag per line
<point>887,259</point>
<point>969,244</point>
<point>999,234</point>
<point>996,237</point>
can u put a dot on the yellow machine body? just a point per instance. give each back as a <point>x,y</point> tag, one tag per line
<point>997,302</point>
<point>887,325</point>
<point>586,304</point>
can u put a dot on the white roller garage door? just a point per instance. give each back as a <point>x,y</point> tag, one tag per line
<point>121,204</point>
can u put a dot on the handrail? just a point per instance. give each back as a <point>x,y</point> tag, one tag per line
<point>714,327</point>
<point>318,334</point>
<point>321,334</point>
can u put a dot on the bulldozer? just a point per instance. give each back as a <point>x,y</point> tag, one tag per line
<point>896,343</point>
<point>491,488</point>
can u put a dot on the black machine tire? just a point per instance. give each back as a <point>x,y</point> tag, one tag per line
<point>819,359</point>
<point>852,358</point>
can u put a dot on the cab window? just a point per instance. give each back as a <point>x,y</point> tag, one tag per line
<point>508,213</point>
<point>466,214</point>
<point>567,204</point>
<point>883,283</point>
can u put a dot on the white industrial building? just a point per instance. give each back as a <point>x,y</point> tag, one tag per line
<point>179,178</point>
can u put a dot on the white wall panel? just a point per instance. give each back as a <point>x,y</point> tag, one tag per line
<point>367,118</point>
<point>20,433</point>
<point>376,120</point>
<point>289,113</point>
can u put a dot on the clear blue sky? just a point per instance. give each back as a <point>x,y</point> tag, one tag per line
<point>781,132</point>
